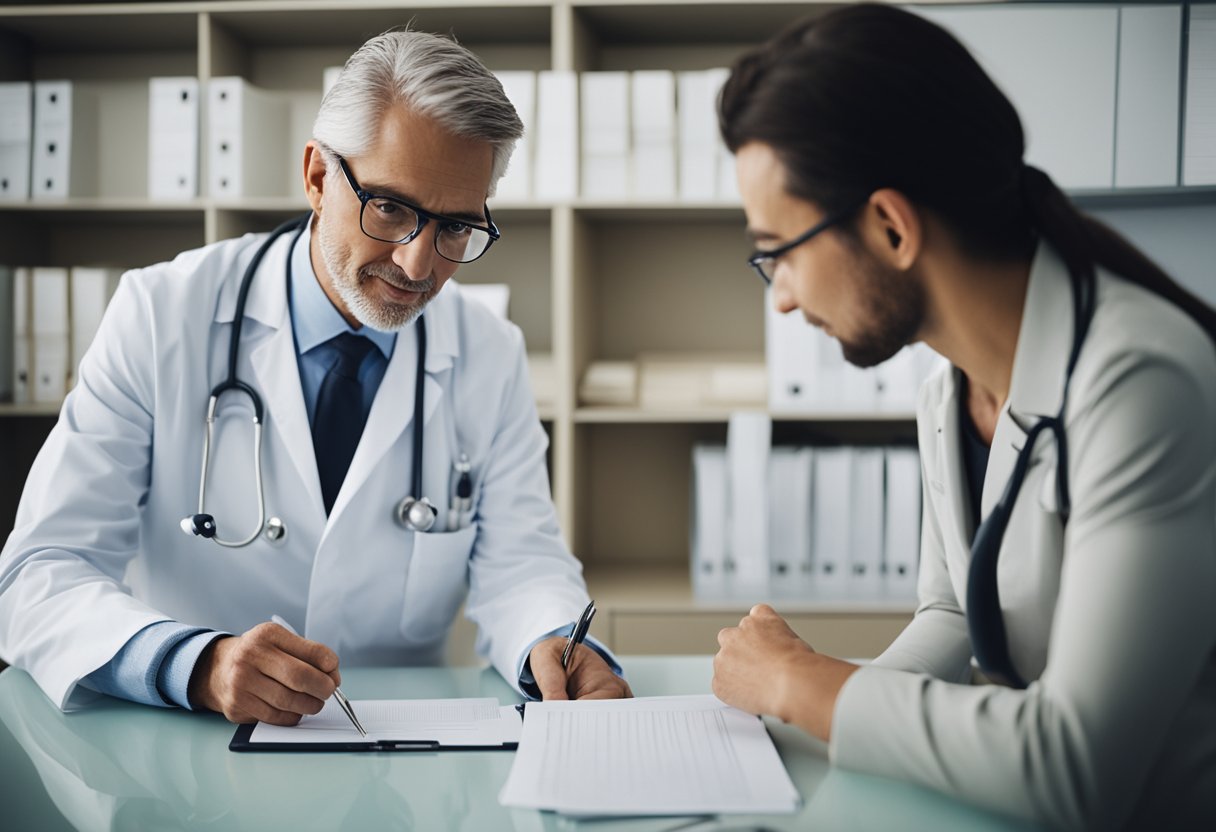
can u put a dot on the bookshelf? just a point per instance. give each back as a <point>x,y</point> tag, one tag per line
<point>590,279</point>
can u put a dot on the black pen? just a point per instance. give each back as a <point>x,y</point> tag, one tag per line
<point>578,633</point>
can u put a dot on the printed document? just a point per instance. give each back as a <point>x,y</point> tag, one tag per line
<point>665,755</point>
<point>449,722</point>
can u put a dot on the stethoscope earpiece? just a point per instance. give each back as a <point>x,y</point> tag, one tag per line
<point>416,515</point>
<point>202,525</point>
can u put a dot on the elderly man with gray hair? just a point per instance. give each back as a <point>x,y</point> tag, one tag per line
<point>396,463</point>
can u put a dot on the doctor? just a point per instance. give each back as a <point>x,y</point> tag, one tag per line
<point>396,464</point>
<point>1069,455</point>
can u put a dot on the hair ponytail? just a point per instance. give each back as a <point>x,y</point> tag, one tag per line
<point>1084,242</point>
<point>871,96</point>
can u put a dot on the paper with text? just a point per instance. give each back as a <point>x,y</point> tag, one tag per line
<point>450,722</point>
<point>647,756</point>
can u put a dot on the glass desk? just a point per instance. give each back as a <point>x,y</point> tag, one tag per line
<point>116,765</point>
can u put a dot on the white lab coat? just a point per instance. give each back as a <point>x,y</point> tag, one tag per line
<point>1111,619</point>
<point>97,553</point>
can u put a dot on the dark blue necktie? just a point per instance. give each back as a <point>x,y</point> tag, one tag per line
<point>340,417</point>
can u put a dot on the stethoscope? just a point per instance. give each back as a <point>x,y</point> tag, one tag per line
<point>412,513</point>
<point>985,623</point>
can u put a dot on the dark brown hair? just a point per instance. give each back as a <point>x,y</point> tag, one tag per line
<point>871,96</point>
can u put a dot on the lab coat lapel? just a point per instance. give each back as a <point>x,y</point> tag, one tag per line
<point>951,478</point>
<point>1037,384</point>
<point>277,371</point>
<point>392,410</point>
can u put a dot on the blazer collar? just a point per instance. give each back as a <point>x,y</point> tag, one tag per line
<point>1044,339</point>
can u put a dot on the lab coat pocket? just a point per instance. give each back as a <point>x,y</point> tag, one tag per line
<point>435,583</point>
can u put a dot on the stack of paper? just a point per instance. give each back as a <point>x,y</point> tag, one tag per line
<point>544,379</point>
<point>1199,159</point>
<point>676,755</point>
<point>16,134</point>
<point>609,383</point>
<point>683,380</point>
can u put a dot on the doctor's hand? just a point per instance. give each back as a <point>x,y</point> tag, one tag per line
<point>587,677</point>
<point>268,674</point>
<point>763,667</point>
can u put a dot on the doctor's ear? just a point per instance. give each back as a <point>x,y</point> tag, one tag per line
<point>894,227</point>
<point>314,175</point>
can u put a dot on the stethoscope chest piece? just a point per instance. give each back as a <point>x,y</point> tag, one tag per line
<point>416,514</point>
<point>275,532</point>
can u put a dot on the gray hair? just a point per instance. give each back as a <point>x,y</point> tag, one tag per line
<point>432,75</point>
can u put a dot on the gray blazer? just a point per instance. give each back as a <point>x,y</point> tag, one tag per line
<point>1112,620</point>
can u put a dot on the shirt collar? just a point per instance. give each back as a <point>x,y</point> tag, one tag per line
<point>313,314</point>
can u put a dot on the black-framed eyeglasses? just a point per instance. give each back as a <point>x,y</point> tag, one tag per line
<point>393,220</point>
<point>765,262</point>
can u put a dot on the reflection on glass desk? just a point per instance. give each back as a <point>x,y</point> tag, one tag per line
<point>116,765</point>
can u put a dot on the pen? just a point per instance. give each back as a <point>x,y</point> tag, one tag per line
<point>578,633</point>
<point>339,696</point>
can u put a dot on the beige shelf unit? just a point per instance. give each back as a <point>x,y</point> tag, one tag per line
<point>591,279</point>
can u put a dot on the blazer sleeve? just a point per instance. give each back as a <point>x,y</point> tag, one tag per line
<point>936,641</point>
<point>1132,630</point>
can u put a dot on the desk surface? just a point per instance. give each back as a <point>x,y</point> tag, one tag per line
<point>116,765</point>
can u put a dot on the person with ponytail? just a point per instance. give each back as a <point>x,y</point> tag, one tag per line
<point>1061,665</point>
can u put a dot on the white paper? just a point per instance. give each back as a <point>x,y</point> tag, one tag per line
<point>450,722</point>
<point>493,296</point>
<point>665,755</point>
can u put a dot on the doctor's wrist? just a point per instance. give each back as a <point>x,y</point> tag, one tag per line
<point>198,692</point>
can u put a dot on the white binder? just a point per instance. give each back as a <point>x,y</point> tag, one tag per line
<point>16,135</point>
<point>791,473</point>
<point>556,171</point>
<point>748,440</point>
<point>246,139</point>
<point>605,134</point>
<point>653,101</point>
<point>807,372</point>
<point>493,296</point>
<point>51,348</point>
<point>91,290</point>
<point>866,519</point>
<point>727,187</point>
<point>710,521</point>
<point>520,88</point>
<point>901,539</point>
<point>173,132</point>
<point>8,335</point>
<point>1146,115</point>
<point>1057,65</point>
<point>699,153</point>
<point>23,336</point>
<point>900,377</point>
<point>831,524</point>
<point>329,77</point>
<point>64,158</point>
<point>1199,135</point>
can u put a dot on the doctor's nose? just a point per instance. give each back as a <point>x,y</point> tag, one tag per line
<point>417,257</point>
<point>783,298</point>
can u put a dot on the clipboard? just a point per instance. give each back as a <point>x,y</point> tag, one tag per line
<point>243,741</point>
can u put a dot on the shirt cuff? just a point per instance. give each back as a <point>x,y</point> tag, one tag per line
<point>134,672</point>
<point>173,678</point>
<point>527,682</point>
